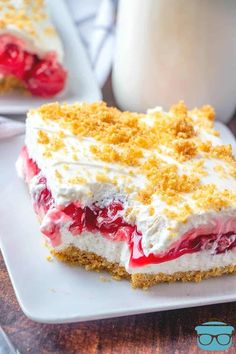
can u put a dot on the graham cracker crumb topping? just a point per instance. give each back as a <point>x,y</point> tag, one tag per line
<point>209,197</point>
<point>167,149</point>
<point>53,142</point>
<point>25,15</point>
<point>77,180</point>
<point>185,149</point>
<point>43,137</point>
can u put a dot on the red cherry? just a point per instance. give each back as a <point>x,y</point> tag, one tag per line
<point>124,233</point>
<point>30,167</point>
<point>14,61</point>
<point>45,199</point>
<point>77,216</point>
<point>46,78</point>
<point>90,219</point>
<point>108,219</point>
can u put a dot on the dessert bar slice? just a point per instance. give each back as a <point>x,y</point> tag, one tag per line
<point>149,197</point>
<point>31,52</point>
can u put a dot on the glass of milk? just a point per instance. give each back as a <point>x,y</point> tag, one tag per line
<point>168,50</point>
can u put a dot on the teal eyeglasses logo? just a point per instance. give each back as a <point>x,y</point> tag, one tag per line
<point>214,335</point>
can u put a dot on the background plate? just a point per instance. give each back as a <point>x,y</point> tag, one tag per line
<point>54,292</point>
<point>81,84</point>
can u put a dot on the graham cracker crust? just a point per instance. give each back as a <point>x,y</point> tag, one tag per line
<point>91,261</point>
<point>10,83</point>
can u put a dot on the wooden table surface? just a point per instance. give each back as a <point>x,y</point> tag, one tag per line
<point>162,333</point>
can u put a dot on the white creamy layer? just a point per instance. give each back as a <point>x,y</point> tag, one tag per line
<point>156,229</point>
<point>118,252</point>
<point>38,35</point>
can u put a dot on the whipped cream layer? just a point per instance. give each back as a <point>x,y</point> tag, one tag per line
<point>30,24</point>
<point>74,173</point>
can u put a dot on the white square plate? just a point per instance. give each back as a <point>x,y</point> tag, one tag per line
<point>81,84</point>
<point>56,293</point>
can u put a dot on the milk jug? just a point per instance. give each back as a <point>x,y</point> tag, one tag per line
<point>168,50</point>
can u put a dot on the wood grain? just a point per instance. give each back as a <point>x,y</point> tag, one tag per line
<point>161,333</point>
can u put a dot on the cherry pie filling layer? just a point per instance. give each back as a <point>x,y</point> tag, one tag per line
<point>110,223</point>
<point>43,77</point>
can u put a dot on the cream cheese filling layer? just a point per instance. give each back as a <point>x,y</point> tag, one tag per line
<point>118,252</point>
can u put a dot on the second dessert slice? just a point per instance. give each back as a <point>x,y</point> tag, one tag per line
<point>31,52</point>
